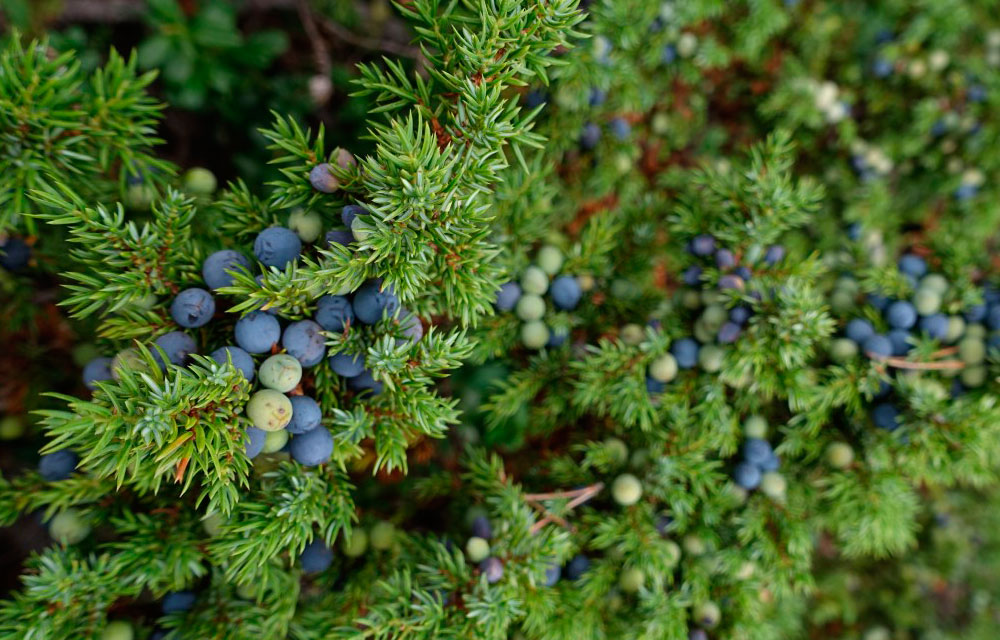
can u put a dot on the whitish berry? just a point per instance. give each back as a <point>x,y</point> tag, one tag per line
<point>626,489</point>
<point>534,334</point>
<point>633,334</point>
<point>307,224</point>
<point>275,440</point>
<point>773,485</point>
<point>843,349</point>
<point>631,580</point>
<point>477,549</point>
<point>257,332</point>
<point>710,358</point>
<point>11,428</point>
<point>550,259</point>
<point>213,523</point>
<point>200,181</point>
<point>534,281</point>
<point>617,450</point>
<point>131,360</point>
<point>755,427</point>
<point>312,447</point>
<point>277,246</point>
<point>192,308</point>
<point>839,455</point>
<point>281,372</point>
<point>69,526</point>
<point>972,350</point>
<point>269,410</point>
<point>214,269</point>
<point>355,543</point>
<point>306,415</point>
<point>974,376</point>
<point>531,307</point>
<point>707,614</point>
<point>927,301</point>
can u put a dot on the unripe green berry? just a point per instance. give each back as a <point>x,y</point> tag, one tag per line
<point>842,302</point>
<point>664,368</point>
<point>247,591</point>
<point>773,485</point>
<point>11,428</point>
<point>478,549</point>
<point>707,614</point>
<point>746,571</point>
<point>280,372</point>
<point>200,181</point>
<point>382,536</point>
<point>128,359</point>
<point>213,523</point>
<point>354,544</point>
<point>626,489</point>
<point>617,450</point>
<point>935,282</point>
<point>843,349</point>
<point>274,440</point>
<point>118,630</point>
<point>839,455</point>
<point>710,297</point>
<point>975,331</point>
<point>973,376</point>
<point>690,299</point>
<point>956,328</point>
<point>702,332</point>
<point>269,410</point>
<point>714,316</point>
<point>534,281</point>
<point>878,633</point>
<point>534,334</point>
<point>631,580</point>
<point>972,351</point>
<point>671,553</point>
<point>927,301</point>
<point>139,197</point>
<point>550,259</point>
<point>710,357</point>
<point>69,526</point>
<point>633,334</point>
<point>847,284</point>
<point>639,458</point>
<point>755,426</point>
<point>694,545</point>
<point>307,224</point>
<point>530,307</point>
<point>361,228</point>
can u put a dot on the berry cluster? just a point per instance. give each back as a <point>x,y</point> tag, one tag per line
<point>564,292</point>
<point>759,467</point>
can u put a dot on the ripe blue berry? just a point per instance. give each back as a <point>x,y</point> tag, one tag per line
<point>339,236</point>
<point>577,566</point>
<point>757,451</point>
<point>597,97</point>
<point>739,314</point>
<point>334,313</point>
<point>878,345</point>
<point>590,136</point>
<point>743,273</point>
<point>481,528</point>
<point>257,332</point>
<point>412,328</point>
<point>347,365</point>
<point>702,245</point>
<point>772,463</point>
<point>685,351</point>
<point>192,308</point>
<point>901,315</point>
<point>177,346</point>
<point>654,386</point>
<point>900,340</point>
<point>976,313</point>
<point>370,303</point>
<point>240,358</point>
<point>724,259</point>
<point>692,275</point>
<point>316,557</point>
<point>935,326</point>
<point>993,317</point>
<point>859,330</point>
<point>178,601</point>
<point>912,265</point>
<point>57,465</point>
<point>277,246</point>
<point>14,254</point>
<point>306,415</point>
<point>312,447</point>
<point>322,179</point>
<point>255,439</point>
<point>747,475</point>
<point>878,301</point>
<point>214,269</point>
<point>350,212</point>
<point>565,292</point>
<point>620,128</point>
<point>97,370</point>
<point>493,569</point>
<point>885,416</point>
<point>552,575</point>
<point>304,341</point>
<point>728,333</point>
<point>507,296</point>
<point>774,254</point>
<point>364,381</point>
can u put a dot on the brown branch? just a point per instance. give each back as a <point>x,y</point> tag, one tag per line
<point>340,32</point>
<point>579,497</point>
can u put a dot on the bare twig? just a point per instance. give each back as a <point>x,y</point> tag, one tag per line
<point>340,32</point>
<point>321,53</point>
<point>579,497</point>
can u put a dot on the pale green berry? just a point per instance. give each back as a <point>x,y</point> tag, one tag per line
<point>247,591</point>
<point>550,259</point>
<point>842,301</point>
<point>927,301</point>
<point>624,289</point>
<point>671,553</point>
<point>69,527</point>
<point>660,123</point>
<point>530,307</point>
<point>664,368</point>
<point>843,350</point>
<point>361,229</point>
<point>534,334</point>
<point>632,334</point>
<point>11,428</point>
<point>712,297</point>
<point>274,440</point>
<point>847,284</point>
<point>145,302</point>
<point>280,372</point>
<point>707,614</point>
<point>746,571</point>
<point>710,357</point>
<point>200,181</point>
<point>139,197</point>
<point>975,331</point>
<point>973,376</point>
<point>639,458</point>
<point>478,549</point>
<point>129,359</point>
<point>690,299</point>
<point>626,489</point>
<point>878,633</point>
<point>935,282</point>
<point>631,580</point>
<point>773,485</point>
<point>755,427</point>
<point>382,536</point>
<point>269,410</point>
<point>972,351</point>
<point>702,332</point>
<point>307,224</point>
<point>535,281</point>
<point>956,328</point>
<point>213,523</point>
<point>118,630</point>
<point>617,450</point>
<point>694,545</point>
<point>714,316</point>
<point>354,544</point>
<point>839,455</point>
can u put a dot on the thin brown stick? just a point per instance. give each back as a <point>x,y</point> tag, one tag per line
<point>340,32</point>
<point>320,51</point>
<point>579,497</point>
<point>903,363</point>
<point>564,494</point>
